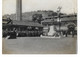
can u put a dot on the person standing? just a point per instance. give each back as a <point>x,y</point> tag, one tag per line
<point>66,34</point>
<point>13,34</point>
<point>73,33</point>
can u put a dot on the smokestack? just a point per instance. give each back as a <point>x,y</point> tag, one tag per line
<point>19,10</point>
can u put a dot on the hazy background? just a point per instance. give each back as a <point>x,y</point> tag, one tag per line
<point>68,6</point>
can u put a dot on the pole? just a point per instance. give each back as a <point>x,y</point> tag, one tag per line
<point>59,21</point>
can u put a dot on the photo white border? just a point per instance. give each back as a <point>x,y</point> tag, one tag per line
<point>42,55</point>
<point>0,27</point>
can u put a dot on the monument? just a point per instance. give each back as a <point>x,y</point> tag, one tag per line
<point>51,30</point>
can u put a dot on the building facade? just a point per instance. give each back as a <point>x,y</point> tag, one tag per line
<point>65,24</point>
<point>22,28</point>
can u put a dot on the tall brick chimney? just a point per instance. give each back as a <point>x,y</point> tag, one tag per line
<point>19,10</point>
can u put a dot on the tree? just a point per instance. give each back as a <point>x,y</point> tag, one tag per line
<point>71,27</point>
<point>37,18</point>
<point>6,16</point>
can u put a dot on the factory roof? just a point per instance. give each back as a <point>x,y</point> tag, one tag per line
<point>27,23</point>
<point>22,23</point>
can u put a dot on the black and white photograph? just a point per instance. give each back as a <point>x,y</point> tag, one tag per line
<point>39,26</point>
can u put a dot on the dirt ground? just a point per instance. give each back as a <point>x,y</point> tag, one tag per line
<point>38,45</point>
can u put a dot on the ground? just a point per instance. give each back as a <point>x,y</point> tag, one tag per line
<point>38,45</point>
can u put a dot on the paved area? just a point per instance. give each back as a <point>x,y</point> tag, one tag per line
<point>38,45</point>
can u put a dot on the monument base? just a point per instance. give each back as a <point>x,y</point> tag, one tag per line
<point>49,36</point>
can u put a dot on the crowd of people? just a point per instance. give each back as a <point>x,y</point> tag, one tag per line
<point>28,33</point>
<point>13,34</point>
<point>66,33</point>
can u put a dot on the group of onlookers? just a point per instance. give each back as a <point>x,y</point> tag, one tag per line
<point>14,33</point>
<point>66,33</point>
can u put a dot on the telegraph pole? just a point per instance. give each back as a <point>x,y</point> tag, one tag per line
<point>58,19</point>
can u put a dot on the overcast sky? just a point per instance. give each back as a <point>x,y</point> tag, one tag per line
<point>68,6</point>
